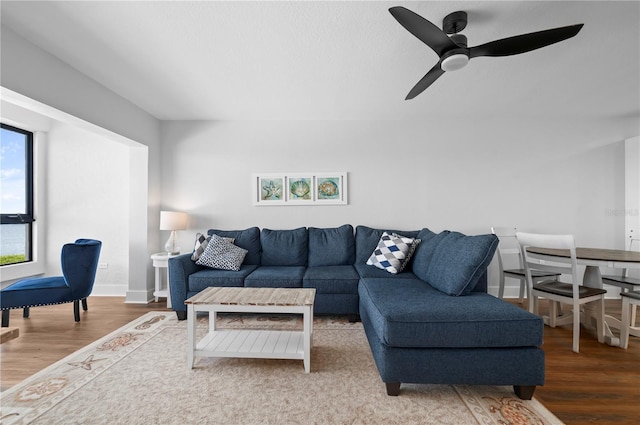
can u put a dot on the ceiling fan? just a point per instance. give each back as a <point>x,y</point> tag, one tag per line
<point>453,51</point>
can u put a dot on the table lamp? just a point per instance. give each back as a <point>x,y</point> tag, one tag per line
<point>171,220</point>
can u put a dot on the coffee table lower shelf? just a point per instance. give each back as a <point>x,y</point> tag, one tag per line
<point>261,344</point>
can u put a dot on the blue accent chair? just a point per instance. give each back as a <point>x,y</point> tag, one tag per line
<point>79,261</point>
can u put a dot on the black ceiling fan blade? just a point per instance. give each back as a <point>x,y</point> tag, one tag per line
<point>424,30</point>
<point>525,42</point>
<point>431,76</point>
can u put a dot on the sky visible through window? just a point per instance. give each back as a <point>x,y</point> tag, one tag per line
<point>12,177</point>
<point>13,193</point>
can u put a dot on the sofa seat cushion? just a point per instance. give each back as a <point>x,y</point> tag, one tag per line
<point>284,247</point>
<point>410,313</point>
<point>205,278</point>
<point>332,279</point>
<point>276,277</point>
<point>331,246</point>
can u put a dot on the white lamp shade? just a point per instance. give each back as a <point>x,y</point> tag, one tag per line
<point>171,220</point>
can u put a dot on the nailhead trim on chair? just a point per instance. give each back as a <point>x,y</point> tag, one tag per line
<point>41,305</point>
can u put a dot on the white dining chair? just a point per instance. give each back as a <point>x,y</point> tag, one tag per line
<point>572,293</point>
<point>630,300</point>
<point>508,254</point>
<point>625,282</point>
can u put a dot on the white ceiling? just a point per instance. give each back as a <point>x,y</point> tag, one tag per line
<point>340,60</point>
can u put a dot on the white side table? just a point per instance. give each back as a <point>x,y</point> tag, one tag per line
<point>161,261</point>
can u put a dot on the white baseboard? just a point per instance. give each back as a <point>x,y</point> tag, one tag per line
<point>109,290</point>
<point>139,297</point>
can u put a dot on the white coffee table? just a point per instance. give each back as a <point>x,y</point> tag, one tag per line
<point>266,344</point>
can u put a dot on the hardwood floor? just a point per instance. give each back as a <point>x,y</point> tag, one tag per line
<point>600,385</point>
<point>50,333</point>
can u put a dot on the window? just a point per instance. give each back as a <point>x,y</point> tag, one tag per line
<point>16,204</point>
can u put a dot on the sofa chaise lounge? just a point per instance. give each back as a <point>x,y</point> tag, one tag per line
<point>429,321</point>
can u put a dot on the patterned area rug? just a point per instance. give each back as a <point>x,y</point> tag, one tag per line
<point>138,375</point>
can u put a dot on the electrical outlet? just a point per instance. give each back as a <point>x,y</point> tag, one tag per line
<point>103,265</point>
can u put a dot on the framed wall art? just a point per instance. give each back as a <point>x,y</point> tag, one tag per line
<point>331,188</point>
<point>299,189</point>
<point>270,189</point>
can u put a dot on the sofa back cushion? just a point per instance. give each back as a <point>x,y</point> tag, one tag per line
<point>284,247</point>
<point>458,262</point>
<point>367,240</point>
<point>331,246</point>
<point>425,250</point>
<point>248,239</point>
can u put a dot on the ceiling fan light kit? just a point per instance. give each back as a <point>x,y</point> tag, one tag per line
<point>452,49</point>
<point>454,60</point>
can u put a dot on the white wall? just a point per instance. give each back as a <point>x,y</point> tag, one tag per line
<point>401,174</point>
<point>36,79</point>
<point>88,197</point>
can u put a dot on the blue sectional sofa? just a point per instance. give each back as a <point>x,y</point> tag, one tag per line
<point>431,323</point>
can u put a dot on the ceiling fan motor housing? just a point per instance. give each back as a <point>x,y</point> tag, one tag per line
<point>454,22</point>
<point>459,39</point>
<point>455,59</point>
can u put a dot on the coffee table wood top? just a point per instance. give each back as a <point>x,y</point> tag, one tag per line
<point>254,296</point>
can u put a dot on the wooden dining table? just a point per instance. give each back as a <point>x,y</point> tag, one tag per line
<point>593,259</point>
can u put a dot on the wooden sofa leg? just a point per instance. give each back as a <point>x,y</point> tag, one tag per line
<point>525,392</point>
<point>84,304</point>
<point>182,315</point>
<point>353,318</point>
<point>393,388</point>
<point>5,318</point>
<point>76,310</point>
<point>25,312</point>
